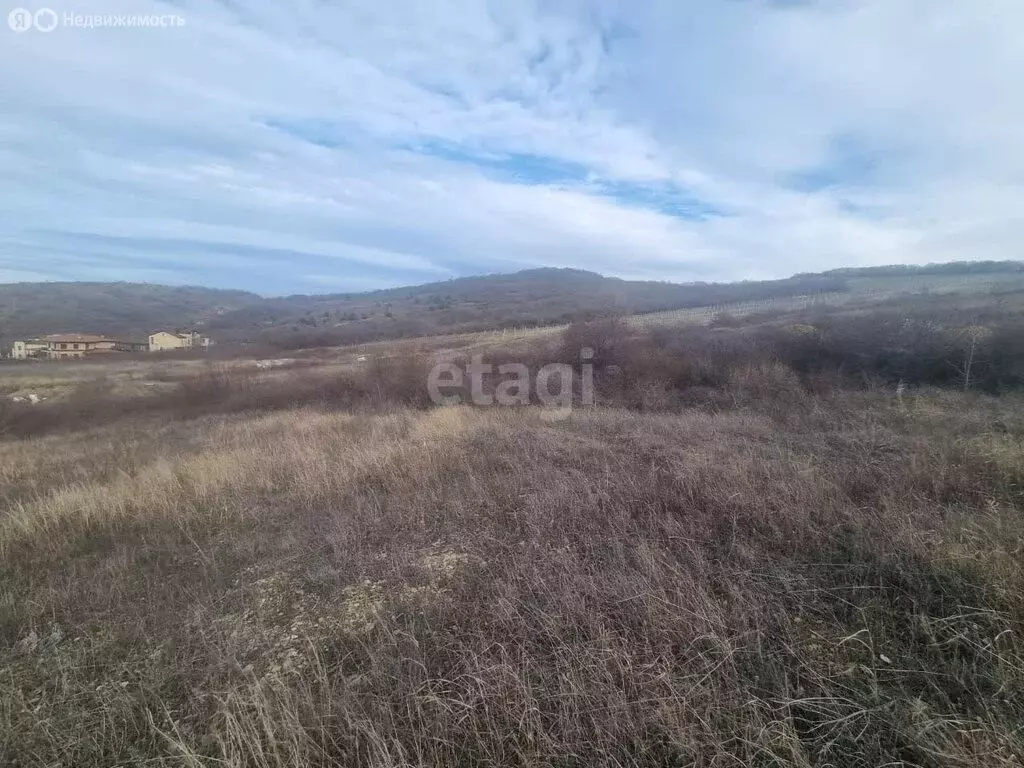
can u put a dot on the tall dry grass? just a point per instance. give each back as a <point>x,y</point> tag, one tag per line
<point>829,581</point>
<point>219,388</point>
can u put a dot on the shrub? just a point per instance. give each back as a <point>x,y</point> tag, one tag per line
<point>608,337</point>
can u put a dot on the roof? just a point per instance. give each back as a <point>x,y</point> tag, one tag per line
<point>76,337</point>
<point>180,334</point>
<point>65,338</point>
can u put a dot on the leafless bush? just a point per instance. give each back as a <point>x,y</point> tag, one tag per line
<point>398,379</point>
<point>726,320</point>
<point>607,338</point>
<point>666,368</point>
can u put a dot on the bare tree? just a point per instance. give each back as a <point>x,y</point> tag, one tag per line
<point>974,335</point>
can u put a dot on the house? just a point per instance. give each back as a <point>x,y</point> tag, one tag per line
<point>67,345</point>
<point>64,345</point>
<point>31,348</point>
<point>161,341</point>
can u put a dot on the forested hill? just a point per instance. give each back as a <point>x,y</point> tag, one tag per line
<point>528,298</point>
<point>911,270</point>
<point>123,309</point>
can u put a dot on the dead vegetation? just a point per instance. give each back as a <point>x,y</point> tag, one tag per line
<point>725,563</point>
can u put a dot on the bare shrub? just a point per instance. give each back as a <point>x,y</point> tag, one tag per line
<point>11,414</point>
<point>399,379</point>
<point>726,320</point>
<point>767,383</point>
<point>608,338</point>
<point>666,368</point>
<point>212,385</point>
<point>655,370</point>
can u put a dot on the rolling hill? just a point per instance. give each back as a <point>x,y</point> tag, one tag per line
<point>126,309</point>
<point>535,297</point>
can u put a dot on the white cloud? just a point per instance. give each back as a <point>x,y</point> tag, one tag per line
<point>382,143</point>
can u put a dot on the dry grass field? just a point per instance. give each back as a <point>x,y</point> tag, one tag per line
<point>314,567</point>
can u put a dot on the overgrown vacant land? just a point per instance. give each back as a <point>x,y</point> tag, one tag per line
<point>751,552</point>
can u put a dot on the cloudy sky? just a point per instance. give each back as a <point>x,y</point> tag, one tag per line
<point>312,146</point>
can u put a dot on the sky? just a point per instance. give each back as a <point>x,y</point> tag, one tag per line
<point>319,147</point>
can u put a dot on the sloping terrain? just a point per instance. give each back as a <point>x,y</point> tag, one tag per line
<point>546,297</point>
<point>128,309</point>
<point>531,298</point>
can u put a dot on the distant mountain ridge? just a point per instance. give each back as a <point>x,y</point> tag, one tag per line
<point>532,297</point>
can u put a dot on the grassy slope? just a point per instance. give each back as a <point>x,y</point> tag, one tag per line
<point>832,583</point>
<point>862,291</point>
